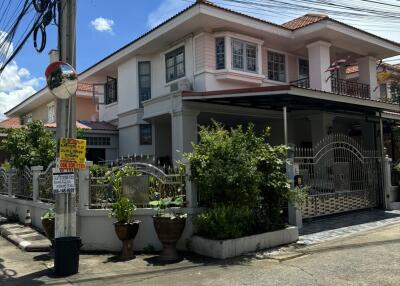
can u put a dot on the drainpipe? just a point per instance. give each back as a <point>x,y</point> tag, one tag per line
<point>285,129</point>
<point>382,194</point>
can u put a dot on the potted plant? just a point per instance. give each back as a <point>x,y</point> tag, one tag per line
<point>169,225</point>
<point>48,223</point>
<point>126,228</point>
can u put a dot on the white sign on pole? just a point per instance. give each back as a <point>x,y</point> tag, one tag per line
<point>63,182</point>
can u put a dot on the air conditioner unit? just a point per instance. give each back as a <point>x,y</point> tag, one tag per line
<point>182,85</point>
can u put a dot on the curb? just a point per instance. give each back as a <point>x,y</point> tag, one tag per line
<point>21,242</point>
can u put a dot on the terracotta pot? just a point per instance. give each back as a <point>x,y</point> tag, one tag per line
<point>49,226</point>
<point>169,231</point>
<point>126,232</point>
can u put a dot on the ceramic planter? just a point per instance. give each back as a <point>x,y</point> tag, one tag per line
<point>126,232</point>
<point>169,231</point>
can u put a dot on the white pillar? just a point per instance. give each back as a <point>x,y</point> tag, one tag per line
<point>319,61</point>
<point>294,212</point>
<point>36,170</point>
<point>367,75</point>
<point>184,132</point>
<point>387,182</point>
<point>228,53</point>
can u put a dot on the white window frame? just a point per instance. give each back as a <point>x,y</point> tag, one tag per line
<point>244,55</point>
<point>286,67</point>
<point>52,118</point>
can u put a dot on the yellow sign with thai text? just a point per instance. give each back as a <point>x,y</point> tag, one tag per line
<point>72,153</point>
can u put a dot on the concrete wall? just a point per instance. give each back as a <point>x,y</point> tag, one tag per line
<point>86,109</point>
<point>95,227</point>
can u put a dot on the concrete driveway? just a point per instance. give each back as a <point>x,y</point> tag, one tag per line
<point>365,258</point>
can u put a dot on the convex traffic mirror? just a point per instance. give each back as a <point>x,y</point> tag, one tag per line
<point>62,80</point>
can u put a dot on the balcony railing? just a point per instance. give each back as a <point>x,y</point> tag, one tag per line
<point>340,86</point>
<point>351,88</point>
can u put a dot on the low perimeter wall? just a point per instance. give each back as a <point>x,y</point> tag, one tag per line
<point>95,227</point>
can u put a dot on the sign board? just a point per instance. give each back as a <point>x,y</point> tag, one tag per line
<point>136,188</point>
<point>72,153</point>
<point>63,182</point>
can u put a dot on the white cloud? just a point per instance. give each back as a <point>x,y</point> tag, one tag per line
<point>102,24</point>
<point>16,84</point>
<point>165,10</point>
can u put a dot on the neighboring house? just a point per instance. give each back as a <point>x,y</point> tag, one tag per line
<point>102,137</point>
<point>386,74</point>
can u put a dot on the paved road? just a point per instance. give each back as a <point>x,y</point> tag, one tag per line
<point>366,258</point>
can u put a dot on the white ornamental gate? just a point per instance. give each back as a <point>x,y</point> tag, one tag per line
<point>340,175</point>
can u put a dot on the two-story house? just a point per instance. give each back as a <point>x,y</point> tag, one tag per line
<point>102,137</point>
<point>208,62</point>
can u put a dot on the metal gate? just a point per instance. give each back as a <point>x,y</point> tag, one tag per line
<point>340,175</point>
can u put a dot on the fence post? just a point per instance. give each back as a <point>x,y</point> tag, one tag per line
<point>191,188</point>
<point>36,171</point>
<point>387,179</point>
<point>10,174</point>
<point>294,213</point>
<point>84,185</point>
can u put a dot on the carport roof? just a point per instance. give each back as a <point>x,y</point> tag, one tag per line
<point>294,98</point>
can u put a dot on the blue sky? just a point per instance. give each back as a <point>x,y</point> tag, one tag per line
<point>103,26</point>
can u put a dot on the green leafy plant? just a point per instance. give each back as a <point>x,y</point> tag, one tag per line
<point>123,210</point>
<point>32,145</point>
<point>6,166</point>
<point>225,222</point>
<point>164,206</point>
<point>49,214</point>
<point>298,196</point>
<point>115,175</point>
<point>238,168</point>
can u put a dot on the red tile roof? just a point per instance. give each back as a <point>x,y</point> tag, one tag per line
<point>85,87</point>
<point>13,122</point>
<point>304,21</point>
<point>88,125</point>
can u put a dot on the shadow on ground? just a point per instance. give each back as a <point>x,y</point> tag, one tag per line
<point>315,225</point>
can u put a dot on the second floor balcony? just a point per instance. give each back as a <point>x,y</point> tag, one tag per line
<point>341,87</point>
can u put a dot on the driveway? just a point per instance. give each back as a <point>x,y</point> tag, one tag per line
<point>364,258</point>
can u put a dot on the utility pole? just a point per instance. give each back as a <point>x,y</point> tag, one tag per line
<point>65,221</point>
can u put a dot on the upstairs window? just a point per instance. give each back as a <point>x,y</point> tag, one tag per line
<point>244,56</point>
<point>145,134</point>
<point>276,67</point>
<point>51,113</point>
<point>110,90</point>
<point>303,69</point>
<point>144,69</point>
<point>220,53</point>
<point>175,64</point>
<point>28,118</point>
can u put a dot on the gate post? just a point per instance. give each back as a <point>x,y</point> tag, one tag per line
<point>294,213</point>
<point>190,187</point>
<point>36,170</point>
<point>84,185</point>
<point>387,181</point>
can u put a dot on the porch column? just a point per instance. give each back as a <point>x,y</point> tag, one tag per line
<point>184,132</point>
<point>320,125</point>
<point>367,75</point>
<point>319,61</point>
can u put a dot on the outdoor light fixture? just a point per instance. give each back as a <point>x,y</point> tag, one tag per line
<point>62,80</point>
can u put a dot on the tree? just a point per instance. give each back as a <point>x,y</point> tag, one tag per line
<point>32,145</point>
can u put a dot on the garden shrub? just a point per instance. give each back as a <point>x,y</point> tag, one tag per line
<point>225,222</point>
<point>32,145</point>
<point>242,178</point>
